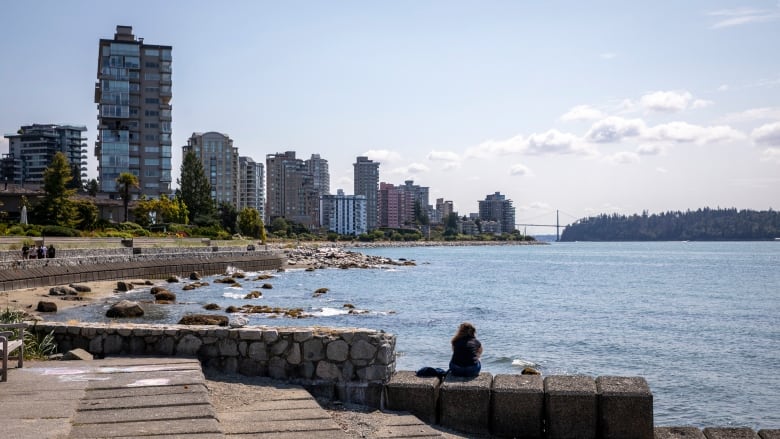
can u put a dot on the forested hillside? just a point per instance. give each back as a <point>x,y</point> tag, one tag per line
<point>700,225</point>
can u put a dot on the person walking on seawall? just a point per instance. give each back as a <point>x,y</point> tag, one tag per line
<point>40,253</point>
<point>466,351</point>
<point>25,251</point>
<point>51,251</point>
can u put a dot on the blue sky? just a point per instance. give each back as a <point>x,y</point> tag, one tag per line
<point>587,107</point>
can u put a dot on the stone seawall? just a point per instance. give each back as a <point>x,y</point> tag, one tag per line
<point>86,266</point>
<point>349,364</point>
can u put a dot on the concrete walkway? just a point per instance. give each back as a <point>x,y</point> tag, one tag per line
<point>137,397</point>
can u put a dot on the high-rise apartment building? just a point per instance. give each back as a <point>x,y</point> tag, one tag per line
<point>220,163</point>
<point>251,185</point>
<point>496,207</point>
<point>318,168</point>
<point>290,191</point>
<point>133,93</point>
<point>395,206</point>
<point>443,210</point>
<point>343,214</point>
<point>366,181</point>
<point>32,148</point>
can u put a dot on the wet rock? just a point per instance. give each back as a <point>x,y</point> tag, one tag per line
<point>348,306</point>
<point>267,286</point>
<point>156,290</point>
<point>319,292</point>
<point>530,371</point>
<point>238,275</point>
<point>232,309</point>
<point>195,276</point>
<point>125,308</point>
<point>264,276</point>
<point>254,295</point>
<point>310,269</point>
<point>44,306</point>
<point>81,288</point>
<point>165,296</point>
<point>238,322</point>
<point>212,306</point>
<point>225,280</point>
<point>123,286</point>
<point>359,311</point>
<point>204,319</point>
<point>172,279</point>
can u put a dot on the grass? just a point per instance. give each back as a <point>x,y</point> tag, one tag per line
<point>35,347</point>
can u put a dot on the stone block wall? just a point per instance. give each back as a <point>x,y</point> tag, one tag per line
<point>349,363</point>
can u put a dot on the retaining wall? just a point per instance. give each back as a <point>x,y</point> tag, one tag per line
<point>150,263</point>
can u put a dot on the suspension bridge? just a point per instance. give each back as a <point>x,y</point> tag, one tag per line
<point>557,224</point>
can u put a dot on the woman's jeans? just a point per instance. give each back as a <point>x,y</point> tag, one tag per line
<point>469,371</point>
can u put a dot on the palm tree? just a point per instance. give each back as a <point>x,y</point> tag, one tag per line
<point>127,181</point>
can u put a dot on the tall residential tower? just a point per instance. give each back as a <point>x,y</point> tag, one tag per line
<point>367,184</point>
<point>133,94</point>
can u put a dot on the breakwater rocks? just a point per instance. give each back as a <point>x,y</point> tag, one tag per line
<point>349,364</point>
<point>336,257</point>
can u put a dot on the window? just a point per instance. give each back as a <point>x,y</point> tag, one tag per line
<point>150,149</point>
<point>151,113</point>
<point>166,54</point>
<point>132,62</point>
<point>151,52</point>
<point>151,125</point>
<point>152,76</point>
<point>152,89</point>
<point>152,65</point>
<point>150,137</point>
<point>152,100</point>
<point>124,49</point>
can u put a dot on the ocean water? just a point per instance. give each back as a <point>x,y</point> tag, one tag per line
<point>700,321</point>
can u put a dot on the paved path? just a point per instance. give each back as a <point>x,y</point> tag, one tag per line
<point>160,397</point>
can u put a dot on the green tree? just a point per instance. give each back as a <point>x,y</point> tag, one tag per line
<point>196,190</point>
<point>126,181</point>
<point>159,210</point>
<point>250,223</point>
<point>420,216</point>
<point>56,207</point>
<point>87,214</point>
<point>92,187</point>
<point>451,225</point>
<point>228,215</point>
<point>279,227</point>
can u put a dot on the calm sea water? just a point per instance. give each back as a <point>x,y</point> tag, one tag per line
<point>700,321</point>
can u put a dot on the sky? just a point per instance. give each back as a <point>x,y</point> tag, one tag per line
<point>583,107</point>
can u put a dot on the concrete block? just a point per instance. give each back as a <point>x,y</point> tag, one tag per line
<point>678,433</point>
<point>464,403</point>
<point>769,434</point>
<point>571,408</point>
<point>517,406</point>
<point>625,408</point>
<point>730,433</point>
<point>405,391</point>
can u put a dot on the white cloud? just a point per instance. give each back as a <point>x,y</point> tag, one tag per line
<point>684,132</point>
<point>582,112</point>
<point>411,169</point>
<point>444,156</point>
<point>666,101</point>
<point>382,155</point>
<point>701,103</point>
<point>739,16</point>
<point>553,142</point>
<point>490,148</point>
<point>762,113</point>
<point>623,158</point>
<point>608,55</point>
<point>449,166</point>
<point>771,155</point>
<point>614,129</point>
<point>767,135</point>
<point>650,149</point>
<point>345,182</point>
<point>723,87</point>
<point>540,205</point>
<point>520,170</point>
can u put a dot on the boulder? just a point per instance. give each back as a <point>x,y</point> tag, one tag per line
<point>238,322</point>
<point>211,306</point>
<point>81,288</point>
<point>172,279</point>
<point>123,286</point>
<point>166,296</point>
<point>319,292</point>
<point>267,286</point>
<point>156,290</point>
<point>225,280</point>
<point>195,276</point>
<point>530,371</point>
<point>254,295</point>
<point>238,275</point>
<point>348,306</point>
<point>264,277</point>
<point>232,309</point>
<point>125,308</point>
<point>204,319</point>
<point>46,306</point>
<point>62,291</point>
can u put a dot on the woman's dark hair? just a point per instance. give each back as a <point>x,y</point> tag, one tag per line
<point>465,329</point>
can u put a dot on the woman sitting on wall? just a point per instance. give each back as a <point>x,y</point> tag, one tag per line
<point>466,350</point>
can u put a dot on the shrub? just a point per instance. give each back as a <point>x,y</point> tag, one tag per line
<point>59,231</point>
